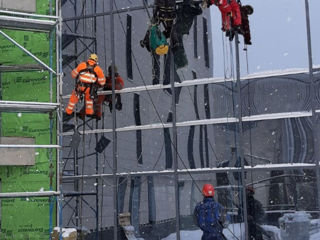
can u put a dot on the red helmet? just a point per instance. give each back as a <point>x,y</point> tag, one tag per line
<point>208,190</point>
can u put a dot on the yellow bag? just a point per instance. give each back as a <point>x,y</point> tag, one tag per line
<point>162,49</point>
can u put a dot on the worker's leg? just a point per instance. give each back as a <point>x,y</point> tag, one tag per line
<point>236,14</point>
<point>89,102</point>
<point>225,21</point>
<point>72,102</point>
<point>98,105</point>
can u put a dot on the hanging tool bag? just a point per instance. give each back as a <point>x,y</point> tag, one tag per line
<point>158,41</point>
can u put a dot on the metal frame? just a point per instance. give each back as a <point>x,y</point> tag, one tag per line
<point>313,91</point>
<point>51,24</point>
<point>210,121</point>
<point>269,167</point>
<point>203,81</point>
<point>83,42</point>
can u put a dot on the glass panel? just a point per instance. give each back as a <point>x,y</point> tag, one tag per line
<point>145,150</point>
<point>286,198</point>
<point>286,93</point>
<point>278,141</point>
<point>205,146</point>
<point>151,203</point>
<point>315,33</point>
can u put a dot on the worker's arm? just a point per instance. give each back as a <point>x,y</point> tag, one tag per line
<point>119,83</point>
<point>101,77</point>
<point>75,72</point>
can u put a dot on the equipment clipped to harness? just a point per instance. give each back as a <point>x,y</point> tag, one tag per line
<point>94,91</point>
<point>158,41</point>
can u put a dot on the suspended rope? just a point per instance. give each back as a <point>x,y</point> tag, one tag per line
<point>152,102</point>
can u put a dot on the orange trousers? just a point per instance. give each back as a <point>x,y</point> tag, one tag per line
<point>74,99</point>
<point>98,104</point>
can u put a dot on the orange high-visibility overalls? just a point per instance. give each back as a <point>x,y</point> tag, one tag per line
<point>87,74</point>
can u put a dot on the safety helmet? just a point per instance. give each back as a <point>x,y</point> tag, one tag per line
<point>249,9</point>
<point>110,69</point>
<point>208,190</point>
<point>94,57</point>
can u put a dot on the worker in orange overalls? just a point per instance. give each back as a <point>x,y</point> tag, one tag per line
<point>108,98</point>
<point>89,76</point>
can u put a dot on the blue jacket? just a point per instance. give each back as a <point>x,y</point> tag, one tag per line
<point>209,217</point>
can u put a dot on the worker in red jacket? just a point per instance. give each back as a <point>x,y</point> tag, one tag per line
<point>108,98</point>
<point>230,13</point>
<point>88,75</point>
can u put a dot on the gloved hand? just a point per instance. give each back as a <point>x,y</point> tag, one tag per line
<point>110,106</point>
<point>119,105</point>
<point>206,4</point>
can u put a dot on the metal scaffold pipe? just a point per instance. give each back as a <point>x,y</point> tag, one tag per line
<point>240,136</point>
<point>313,92</point>
<point>114,125</point>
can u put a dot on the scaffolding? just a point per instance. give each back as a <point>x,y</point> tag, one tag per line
<point>50,24</point>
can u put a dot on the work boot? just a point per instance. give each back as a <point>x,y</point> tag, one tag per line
<point>231,36</point>
<point>81,115</point>
<point>95,116</point>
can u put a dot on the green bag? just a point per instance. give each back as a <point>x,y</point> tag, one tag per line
<point>158,41</point>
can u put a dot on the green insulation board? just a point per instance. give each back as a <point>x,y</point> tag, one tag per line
<point>29,218</point>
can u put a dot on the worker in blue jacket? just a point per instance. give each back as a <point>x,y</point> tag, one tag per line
<point>210,216</point>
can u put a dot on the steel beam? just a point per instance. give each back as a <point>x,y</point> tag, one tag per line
<point>239,136</point>
<point>29,14</point>
<point>21,23</point>
<point>203,81</point>
<point>210,121</point>
<point>313,93</point>
<point>29,194</point>
<point>264,168</point>
<point>28,146</point>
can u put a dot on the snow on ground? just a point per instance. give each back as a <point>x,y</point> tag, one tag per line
<point>236,229</point>
<point>315,236</point>
<point>233,230</point>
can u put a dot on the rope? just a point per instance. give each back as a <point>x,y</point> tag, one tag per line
<point>152,102</point>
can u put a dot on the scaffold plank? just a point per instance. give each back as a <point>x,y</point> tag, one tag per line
<point>34,107</point>
<point>211,121</point>
<point>29,194</point>
<point>22,23</point>
<point>19,68</point>
<point>201,81</point>
<point>28,146</point>
<point>264,167</point>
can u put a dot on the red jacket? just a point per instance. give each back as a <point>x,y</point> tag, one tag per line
<point>119,83</point>
<point>228,8</point>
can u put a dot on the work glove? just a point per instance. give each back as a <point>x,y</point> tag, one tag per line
<point>119,105</point>
<point>110,106</point>
<point>206,4</point>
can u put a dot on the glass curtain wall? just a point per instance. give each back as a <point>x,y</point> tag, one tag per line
<point>146,163</point>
